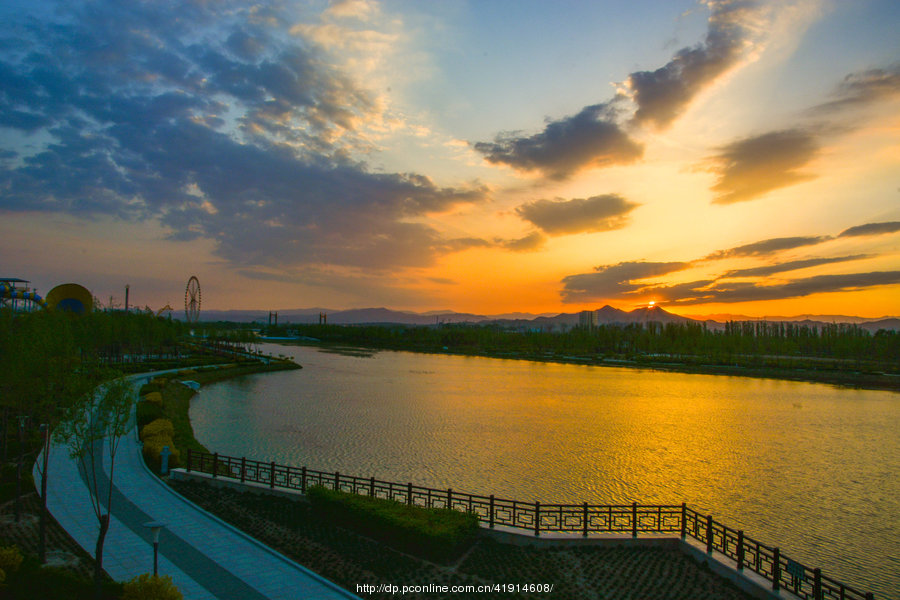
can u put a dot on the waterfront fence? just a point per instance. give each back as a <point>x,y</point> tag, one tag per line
<point>536,517</point>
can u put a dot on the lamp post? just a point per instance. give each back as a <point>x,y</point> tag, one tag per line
<point>155,527</point>
<point>22,420</point>
<point>42,541</point>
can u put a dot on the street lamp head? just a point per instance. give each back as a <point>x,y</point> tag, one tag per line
<point>155,527</point>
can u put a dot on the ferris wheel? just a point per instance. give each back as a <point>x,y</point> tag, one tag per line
<point>192,300</point>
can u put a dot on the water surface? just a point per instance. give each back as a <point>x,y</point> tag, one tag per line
<point>811,468</point>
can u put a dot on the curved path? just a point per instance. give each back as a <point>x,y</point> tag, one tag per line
<point>206,557</point>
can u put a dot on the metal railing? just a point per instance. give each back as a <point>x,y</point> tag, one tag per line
<point>634,519</point>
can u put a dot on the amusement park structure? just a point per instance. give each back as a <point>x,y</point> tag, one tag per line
<point>14,290</point>
<point>192,300</point>
<point>18,295</point>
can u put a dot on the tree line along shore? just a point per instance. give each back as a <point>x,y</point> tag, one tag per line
<point>841,354</point>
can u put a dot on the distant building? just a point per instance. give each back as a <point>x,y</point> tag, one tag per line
<point>586,319</point>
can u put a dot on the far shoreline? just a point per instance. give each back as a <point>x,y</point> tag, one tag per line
<point>843,379</point>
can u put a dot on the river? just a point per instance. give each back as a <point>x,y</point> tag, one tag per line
<point>811,468</point>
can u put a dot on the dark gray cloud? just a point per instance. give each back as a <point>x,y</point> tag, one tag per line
<point>702,292</point>
<point>530,243</point>
<point>619,282</point>
<point>597,213</point>
<point>615,281</point>
<point>791,266</point>
<point>596,137</point>
<point>871,229</point>
<point>861,89</point>
<point>751,167</point>
<point>754,166</point>
<point>213,119</point>
<point>626,279</point>
<point>663,94</point>
<point>768,247</point>
<point>592,138</point>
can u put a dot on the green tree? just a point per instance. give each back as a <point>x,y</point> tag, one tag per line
<point>89,428</point>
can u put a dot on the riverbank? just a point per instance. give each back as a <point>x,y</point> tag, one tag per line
<point>176,397</point>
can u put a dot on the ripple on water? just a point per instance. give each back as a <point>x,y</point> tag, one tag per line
<point>819,481</point>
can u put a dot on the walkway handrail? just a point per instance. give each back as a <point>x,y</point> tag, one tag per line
<point>634,518</point>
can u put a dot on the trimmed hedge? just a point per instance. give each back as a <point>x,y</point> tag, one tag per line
<point>436,533</point>
<point>155,436</point>
<point>154,397</point>
<point>147,412</point>
<point>151,587</point>
<point>158,428</point>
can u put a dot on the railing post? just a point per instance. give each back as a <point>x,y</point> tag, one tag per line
<point>817,584</point>
<point>303,480</point>
<point>537,518</point>
<point>189,460</point>
<point>409,493</point>
<point>491,513</point>
<point>215,465</point>
<point>449,497</point>
<point>243,468</point>
<point>584,518</point>
<point>776,569</point>
<point>683,520</point>
<point>372,487</point>
<point>272,475</point>
<point>709,534</point>
<point>634,519</point>
<point>740,550</point>
<point>337,480</point>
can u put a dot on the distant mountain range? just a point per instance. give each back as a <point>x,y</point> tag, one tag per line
<point>604,316</point>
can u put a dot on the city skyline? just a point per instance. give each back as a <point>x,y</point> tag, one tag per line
<point>489,157</point>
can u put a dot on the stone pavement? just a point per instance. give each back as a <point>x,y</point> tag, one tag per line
<point>206,558</point>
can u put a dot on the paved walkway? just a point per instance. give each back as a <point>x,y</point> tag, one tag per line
<point>206,558</point>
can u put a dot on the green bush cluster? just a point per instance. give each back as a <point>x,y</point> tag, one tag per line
<point>25,577</point>
<point>10,561</point>
<point>155,435</point>
<point>153,398</point>
<point>436,533</point>
<point>150,408</point>
<point>149,388</point>
<point>150,587</point>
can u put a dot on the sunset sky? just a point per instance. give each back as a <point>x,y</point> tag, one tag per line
<point>488,156</point>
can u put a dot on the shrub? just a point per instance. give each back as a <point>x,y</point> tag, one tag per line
<point>155,435</point>
<point>154,397</point>
<point>158,428</point>
<point>152,448</point>
<point>149,587</point>
<point>10,561</point>
<point>148,412</point>
<point>435,533</point>
<point>149,388</point>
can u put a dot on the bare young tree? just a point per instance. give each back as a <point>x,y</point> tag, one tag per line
<point>93,429</point>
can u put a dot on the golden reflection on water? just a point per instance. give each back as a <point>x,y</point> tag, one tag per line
<point>809,467</point>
